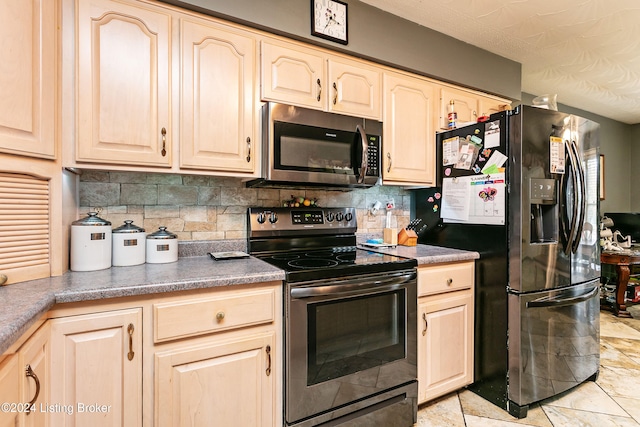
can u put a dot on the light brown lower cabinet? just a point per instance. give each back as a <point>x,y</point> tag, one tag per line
<point>96,369</point>
<point>445,329</point>
<point>24,379</point>
<point>206,358</point>
<point>228,382</point>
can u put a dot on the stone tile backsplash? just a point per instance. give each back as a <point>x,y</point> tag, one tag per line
<point>214,208</point>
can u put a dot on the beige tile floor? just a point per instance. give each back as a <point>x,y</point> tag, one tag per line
<point>613,400</point>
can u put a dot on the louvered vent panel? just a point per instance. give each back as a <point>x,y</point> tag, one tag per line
<point>24,227</point>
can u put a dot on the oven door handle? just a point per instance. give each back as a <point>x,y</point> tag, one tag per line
<point>354,287</point>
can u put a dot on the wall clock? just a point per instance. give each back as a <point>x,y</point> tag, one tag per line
<point>329,20</point>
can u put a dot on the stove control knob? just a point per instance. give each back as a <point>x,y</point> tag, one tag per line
<point>273,218</point>
<point>261,218</point>
<point>330,217</point>
<point>348,217</point>
<point>339,216</point>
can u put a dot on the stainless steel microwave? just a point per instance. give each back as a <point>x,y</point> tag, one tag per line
<point>304,147</point>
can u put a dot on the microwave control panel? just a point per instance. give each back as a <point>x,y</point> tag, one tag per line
<point>373,155</point>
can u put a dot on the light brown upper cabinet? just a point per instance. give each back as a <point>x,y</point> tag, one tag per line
<point>123,83</point>
<point>28,77</point>
<point>217,101</point>
<point>469,105</point>
<point>408,154</point>
<point>312,78</point>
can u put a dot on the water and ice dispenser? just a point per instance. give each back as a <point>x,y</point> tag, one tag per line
<point>544,210</point>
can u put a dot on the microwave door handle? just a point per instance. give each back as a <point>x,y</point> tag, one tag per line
<point>365,154</point>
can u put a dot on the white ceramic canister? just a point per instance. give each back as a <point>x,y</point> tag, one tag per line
<point>162,246</point>
<point>90,243</point>
<point>128,245</point>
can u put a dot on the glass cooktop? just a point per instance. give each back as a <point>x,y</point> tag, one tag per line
<point>334,262</point>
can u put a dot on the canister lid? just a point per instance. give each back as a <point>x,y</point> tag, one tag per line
<point>162,233</point>
<point>128,227</point>
<point>92,220</point>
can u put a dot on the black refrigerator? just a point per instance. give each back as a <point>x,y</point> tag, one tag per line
<point>522,189</point>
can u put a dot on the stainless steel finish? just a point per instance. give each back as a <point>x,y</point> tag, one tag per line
<point>365,156</point>
<point>553,341</point>
<point>271,222</point>
<point>553,233</point>
<point>272,176</point>
<point>303,400</point>
<point>364,285</point>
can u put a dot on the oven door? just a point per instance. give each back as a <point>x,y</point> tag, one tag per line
<point>347,340</point>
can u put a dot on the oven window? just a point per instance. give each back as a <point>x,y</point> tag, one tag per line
<point>350,335</point>
<point>309,154</point>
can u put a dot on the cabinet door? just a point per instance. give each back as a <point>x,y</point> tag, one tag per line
<point>34,366</point>
<point>466,106</point>
<point>408,135</point>
<point>28,77</point>
<point>97,360</point>
<point>489,106</point>
<point>228,384</point>
<point>293,75</point>
<point>355,89</point>
<point>445,344</point>
<point>9,390</point>
<point>123,83</point>
<point>217,99</point>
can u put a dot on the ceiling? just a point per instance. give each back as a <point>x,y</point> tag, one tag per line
<point>585,51</point>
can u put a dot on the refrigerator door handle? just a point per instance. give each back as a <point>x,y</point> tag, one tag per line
<point>583,194</point>
<point>560,302</point>
<point>575,208</point>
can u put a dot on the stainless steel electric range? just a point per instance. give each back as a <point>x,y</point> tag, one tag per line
<point>350,319</point>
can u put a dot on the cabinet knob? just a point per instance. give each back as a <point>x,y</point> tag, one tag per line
<point>220,316</point>
<point>449,281</point>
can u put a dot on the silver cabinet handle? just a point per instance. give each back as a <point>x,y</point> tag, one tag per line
<point>389,157</point>
<point>319,89</point>
<point>335,95</point>
<point>248,149</point>
<point>29,373</point>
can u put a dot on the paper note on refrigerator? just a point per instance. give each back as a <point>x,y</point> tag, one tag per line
<point>476,199</point>
<point>455,198</point>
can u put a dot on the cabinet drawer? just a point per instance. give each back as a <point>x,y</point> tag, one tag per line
<point>185,318</point>
<point>445,277</point>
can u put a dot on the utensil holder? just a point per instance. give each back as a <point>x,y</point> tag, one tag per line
<point>390,236</point>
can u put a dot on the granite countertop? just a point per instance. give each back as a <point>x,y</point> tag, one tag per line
<point>427,254</point>
<point>24,303</point>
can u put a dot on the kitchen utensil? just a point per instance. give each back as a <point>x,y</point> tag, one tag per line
<point>162,247</point>
<point>90,243</point>
<point>128,246</point>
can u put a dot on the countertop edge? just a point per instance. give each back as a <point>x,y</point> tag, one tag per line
<point>29,301</point>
